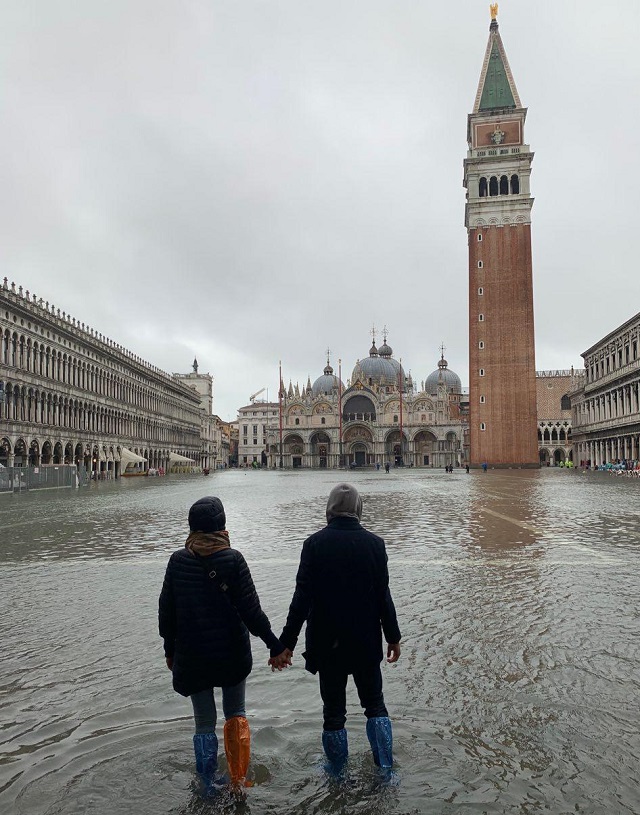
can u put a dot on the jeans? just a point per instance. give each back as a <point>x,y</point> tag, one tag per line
<point>204,706</point>
<point>333,690</point>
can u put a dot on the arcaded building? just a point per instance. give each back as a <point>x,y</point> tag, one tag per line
<point>497,170</point>
<point>71,395</point>
<point>380,416</point>
<point>606,407</point>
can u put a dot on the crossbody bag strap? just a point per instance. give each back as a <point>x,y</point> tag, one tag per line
<point>216,581</point>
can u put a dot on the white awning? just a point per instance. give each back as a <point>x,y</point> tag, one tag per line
<point>129,457</point>
<point>176,458</point>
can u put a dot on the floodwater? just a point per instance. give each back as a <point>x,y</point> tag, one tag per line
<point>518,689</point>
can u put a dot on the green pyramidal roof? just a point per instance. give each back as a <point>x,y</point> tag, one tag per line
<point>496,92</point>
<point>497,89</point>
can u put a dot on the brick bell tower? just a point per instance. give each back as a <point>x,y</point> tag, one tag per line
<point>502,374</point>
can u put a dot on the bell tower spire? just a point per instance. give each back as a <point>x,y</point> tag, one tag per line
<point>497,171</point>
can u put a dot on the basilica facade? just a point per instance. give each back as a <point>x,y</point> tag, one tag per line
<point>380,417</point>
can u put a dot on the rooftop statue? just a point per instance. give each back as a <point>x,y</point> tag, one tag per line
<point>494,10</point>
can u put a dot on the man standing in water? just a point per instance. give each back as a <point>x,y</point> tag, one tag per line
<point>342,593</point>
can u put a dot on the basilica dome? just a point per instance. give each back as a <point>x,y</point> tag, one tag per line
<point>451,379</point>
<point>378,368</point>
<point>326,383</point>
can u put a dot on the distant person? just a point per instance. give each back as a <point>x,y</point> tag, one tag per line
<point>387,467</point>
<point>342,593</point>
<point>485,467</point>
<point>208,606</point>
<point>466,466</point>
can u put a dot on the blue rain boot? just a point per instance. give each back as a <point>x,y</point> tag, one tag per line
<point>334,743</point>
<point>381,741</point>
<point>205,746</point>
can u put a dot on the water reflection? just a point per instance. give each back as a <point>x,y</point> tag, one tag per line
<point>517,689</point>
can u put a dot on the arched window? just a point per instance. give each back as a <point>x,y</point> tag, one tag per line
<point>482,188</point>
<point>493,185</point>
<point>565,403</point>
<point>504,185</point>
<point>515,185</point>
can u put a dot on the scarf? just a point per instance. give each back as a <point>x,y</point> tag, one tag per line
<point>207,543</point>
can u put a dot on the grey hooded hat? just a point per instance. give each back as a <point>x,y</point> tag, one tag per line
<point>344,501</point>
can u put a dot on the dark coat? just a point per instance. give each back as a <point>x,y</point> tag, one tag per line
<point>205,629</point>
<point>342,592</point>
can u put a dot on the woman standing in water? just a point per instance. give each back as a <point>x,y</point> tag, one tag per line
<point>208,606</point>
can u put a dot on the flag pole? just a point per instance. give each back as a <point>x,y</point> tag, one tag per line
<point>401,433</point>
<point>340,407</point>
<point>280,389</point>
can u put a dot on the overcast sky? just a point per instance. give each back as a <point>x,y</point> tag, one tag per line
<point>248,181</point>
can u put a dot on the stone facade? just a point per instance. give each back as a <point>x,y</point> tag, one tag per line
<point>606,407</point>
<point>554,414</point>
<point>71,395</point>
<point>214,432</point>
<point>502,380</point>
<point>254,424</point>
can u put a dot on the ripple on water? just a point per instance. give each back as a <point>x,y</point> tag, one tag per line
<point>517,690</point>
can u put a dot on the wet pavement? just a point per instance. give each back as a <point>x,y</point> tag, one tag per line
<point>517,690</point>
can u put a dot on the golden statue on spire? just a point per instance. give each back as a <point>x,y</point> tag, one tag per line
<point>494,10</point>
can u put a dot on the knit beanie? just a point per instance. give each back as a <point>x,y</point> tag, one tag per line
<point>207,515</point>
<point>344,501</point>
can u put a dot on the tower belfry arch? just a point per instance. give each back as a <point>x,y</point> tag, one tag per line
<point>497,171</point>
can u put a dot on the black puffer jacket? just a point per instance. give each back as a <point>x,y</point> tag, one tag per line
<point>342,593</point>
<point>205,629</point>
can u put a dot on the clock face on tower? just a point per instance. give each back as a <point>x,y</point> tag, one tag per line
<point>497,137</point>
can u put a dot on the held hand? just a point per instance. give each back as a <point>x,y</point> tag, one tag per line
<point>393,652</point>
<point>169,661</point>
<point>283,660</point>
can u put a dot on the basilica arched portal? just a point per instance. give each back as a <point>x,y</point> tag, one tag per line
<point>424,446</point>
<point>395,448</point>
<point>358,441</point>
<point>293,449</point>
<point>320,450</point>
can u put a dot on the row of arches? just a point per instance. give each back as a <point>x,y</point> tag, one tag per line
<point>503,185</point>
<point>35,406</point>
<point>42,359</point>
<point>555,457</point>
<point>555,434</point>
<point>617,403</point>
<point>94,457</point>
<point>359,448</point>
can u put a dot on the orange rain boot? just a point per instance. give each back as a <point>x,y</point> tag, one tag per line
<point>237,746</point>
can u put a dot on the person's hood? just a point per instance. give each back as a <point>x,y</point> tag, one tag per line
<point>207,515</point>
<point>344,502</point>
